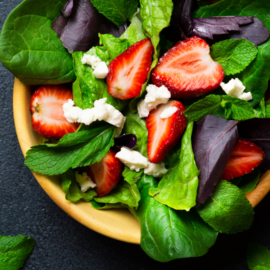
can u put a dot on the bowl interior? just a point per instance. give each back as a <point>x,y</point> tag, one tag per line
<point>118,224</point>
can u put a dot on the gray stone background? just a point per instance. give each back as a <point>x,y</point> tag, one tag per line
<point>63,243</point>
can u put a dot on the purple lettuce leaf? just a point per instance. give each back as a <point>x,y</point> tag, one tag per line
<point>214,140</point>
<point>79,31</point>
<point>67,9</point>
<point>258,132</point>
<point>128,140</point>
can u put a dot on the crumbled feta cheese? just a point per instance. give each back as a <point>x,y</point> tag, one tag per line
<point>235,88</point>
<point>87,116</point>
<point>168,112</point>
<point>101,110</point>
<point>246,96</point>
<point>101,71</point>
<point>84,181</point>
<point>71,113</point>
<point>155,96</point>
<point>91,60</point>
<point>132,159</point>
<point>115,118</point>
<point>142,108</point>
<point>156,170</point>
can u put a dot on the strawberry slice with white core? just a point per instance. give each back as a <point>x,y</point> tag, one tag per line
<point>188,70</point>
<point>164,133</point>
<point>128,72</point>
<point>245,157</point>
<point>106,173</point>
<point>47,112</point>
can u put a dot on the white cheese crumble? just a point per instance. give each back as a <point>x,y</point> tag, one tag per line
<point>100,68</point>
<point>156,170</point>
<point>168,112</point>
<point>235,88</point>
<point>101,112</point>
<point>132,159</point>
<point>154,97</point>
<point>84,181</point>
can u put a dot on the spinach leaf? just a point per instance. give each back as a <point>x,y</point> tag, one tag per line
<point>124,193</point>
<point>104,206</point>
<point>248,182</point>
<point>118,11</point>
<point>173,156</point>
<point>227,210</point>
<point>214,140</point>
<point>167,234</point>
<point>130,176</point>
<point>258,257</point>
<point>134,33</point>
<point>30,49</point>
<point>87,88</point>
<point>14,250</point>
<point>74,150</point>
<point>255,77</point>
<point>178,188</point>
<point>234,55</point>
<point>135,125</point>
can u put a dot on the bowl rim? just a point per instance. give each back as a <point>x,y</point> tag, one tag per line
<point>122,226</point>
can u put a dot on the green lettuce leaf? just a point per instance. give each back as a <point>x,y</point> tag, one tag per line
<point>30,49</point>
<point>72,188</point>
<point>247,182</point>
<point>104,206</point>
<point>167,234</point>
<point>234,55</point>
<point>135,125</point>
<point>258,257</point>
<point>14,250</point>
<point>227,210</point>
<point>255,77</point>
<point>267,109</point>
<point>178,188</point>
<point>131,176</point>
<point>118,11</point>
<point>74,150</point>
<point>123,193</point>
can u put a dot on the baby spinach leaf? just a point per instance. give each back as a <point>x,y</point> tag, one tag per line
<point>72,188</point>
<point>87,88</point>
<point>167,234</point>
<point>258,257</point>
<point>255,77</point>
<point>118,11</point>
<point>74,150</point>
<point>134,32</point>
<point>30,49</point>
<point>234,55</point>
<point>124,193</point>
<point>213,142</point>
<point>14,250</point>
<point>178,188</point>
<point>131,176</point>
<point>135,125</point>
<point>104,206</point>
<point>173,156</point>
<point>227,210</point>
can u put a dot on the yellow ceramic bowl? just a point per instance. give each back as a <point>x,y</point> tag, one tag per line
<point>118,224</point>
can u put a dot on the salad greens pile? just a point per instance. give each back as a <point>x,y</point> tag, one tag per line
<point>182,213</point>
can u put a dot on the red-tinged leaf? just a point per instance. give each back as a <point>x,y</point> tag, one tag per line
<point>214,140</point>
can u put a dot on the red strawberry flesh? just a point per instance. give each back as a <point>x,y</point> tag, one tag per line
<point>47,112</point>
<point>128,72</point>
<point>163,134</point>
<point>245,157</point>
<point>188,70</point>
<point>106,173</point>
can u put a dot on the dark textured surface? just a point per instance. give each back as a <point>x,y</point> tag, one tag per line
<point>61,242</point>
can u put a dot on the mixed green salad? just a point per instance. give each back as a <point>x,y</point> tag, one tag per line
<point>211,146</point>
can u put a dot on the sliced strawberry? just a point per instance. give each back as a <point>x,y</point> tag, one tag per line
<point>188,70</point>
<point>244,158</point>
<point>106,173</point>
<point>48,115</point>
<point>163,134</point>
<point>128,71</point>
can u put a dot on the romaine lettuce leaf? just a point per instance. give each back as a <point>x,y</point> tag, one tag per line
<point>131,176</point>
<point>178,188</point>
